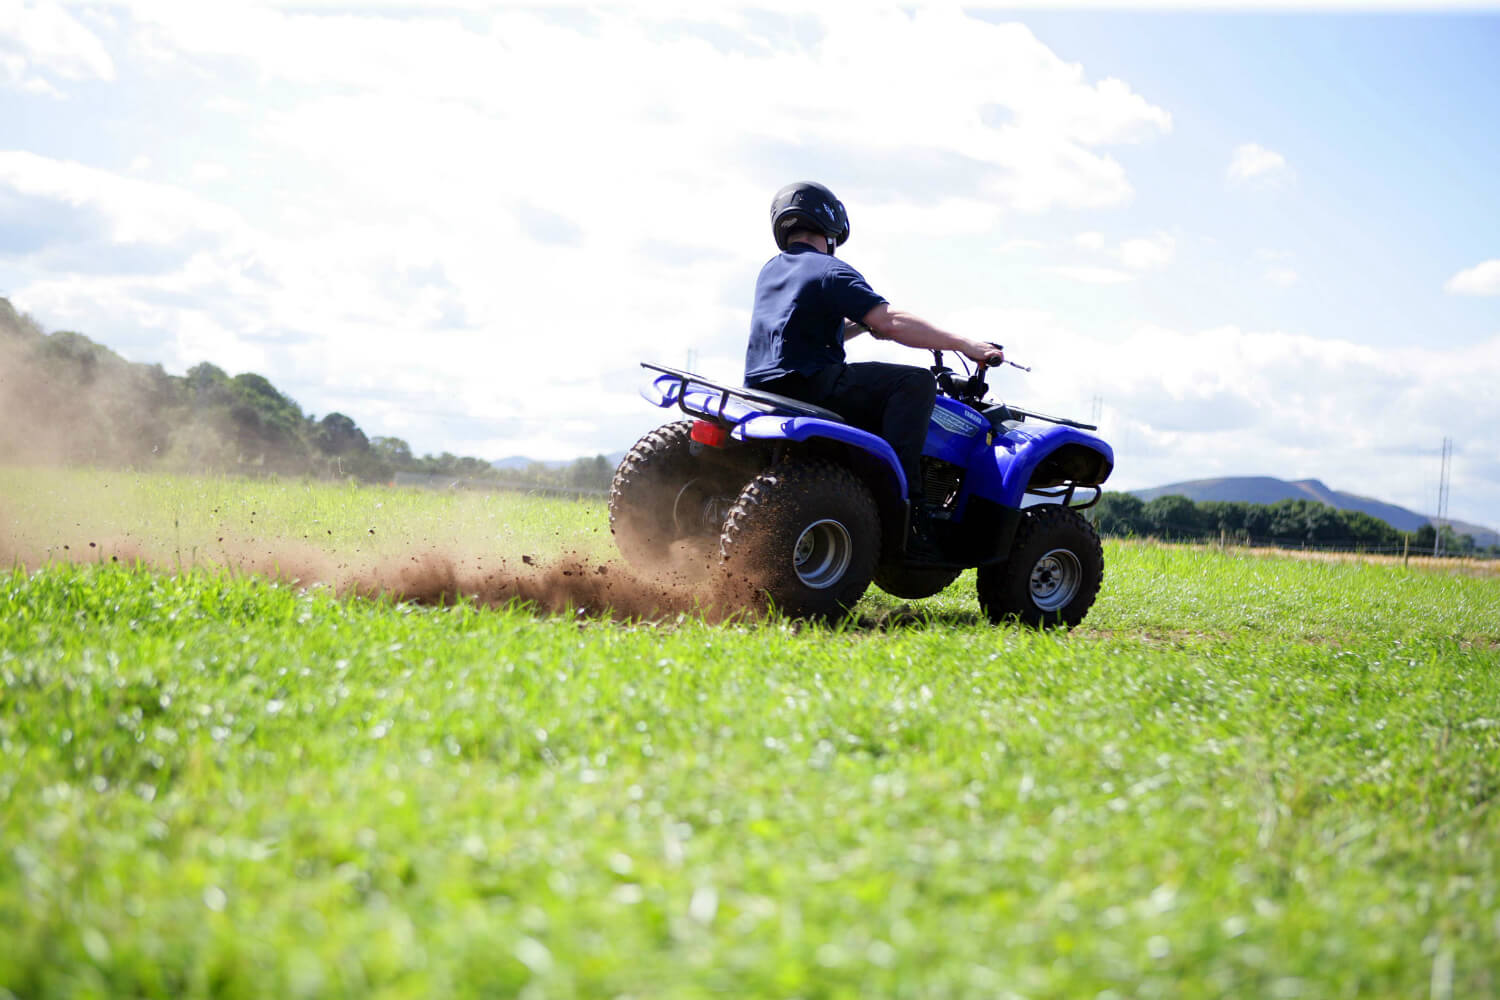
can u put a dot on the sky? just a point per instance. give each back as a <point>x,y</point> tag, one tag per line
<point>1251,242</point>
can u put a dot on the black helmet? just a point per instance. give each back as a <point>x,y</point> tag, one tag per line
<point>807,205</point>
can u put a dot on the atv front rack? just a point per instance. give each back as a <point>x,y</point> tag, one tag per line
<point>1066,494</point>
<point>1001,412</point>
<point>698,397</point>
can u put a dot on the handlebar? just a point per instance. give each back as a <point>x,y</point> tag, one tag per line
<point>1006,361</point>
<point>973,386</point>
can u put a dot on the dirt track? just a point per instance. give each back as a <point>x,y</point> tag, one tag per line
<point>572,583</point>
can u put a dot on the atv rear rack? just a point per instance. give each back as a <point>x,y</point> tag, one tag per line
<point>752,399</point>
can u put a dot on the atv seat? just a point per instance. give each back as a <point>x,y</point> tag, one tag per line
<point>786,404</point>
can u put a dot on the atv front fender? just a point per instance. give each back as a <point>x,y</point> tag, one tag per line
<point>775,427</point>
<point>1025,459</point>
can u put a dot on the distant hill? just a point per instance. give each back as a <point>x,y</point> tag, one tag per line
<point>521,462</point>
<point>67,399</point>
<point>1266,490</point>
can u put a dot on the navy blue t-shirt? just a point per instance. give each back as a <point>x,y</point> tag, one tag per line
<point>802,298</point>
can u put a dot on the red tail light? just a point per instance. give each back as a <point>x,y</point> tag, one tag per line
<point>709,433</point>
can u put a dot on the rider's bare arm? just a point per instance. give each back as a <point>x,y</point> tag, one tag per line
<point>886,323</point>
<point>853,329</point>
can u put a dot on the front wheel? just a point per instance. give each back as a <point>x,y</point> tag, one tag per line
<point>1052,575</point>
<point>805,535</point>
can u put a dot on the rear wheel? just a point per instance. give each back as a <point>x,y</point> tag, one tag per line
<point>806,536</point>
<point>662,499</point>
<point>1052,575</point>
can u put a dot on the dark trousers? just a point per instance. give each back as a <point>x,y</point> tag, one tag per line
<point>893,401</point>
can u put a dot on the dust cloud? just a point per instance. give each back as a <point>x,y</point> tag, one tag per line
<point>565,583</point>
<point>64,403</point>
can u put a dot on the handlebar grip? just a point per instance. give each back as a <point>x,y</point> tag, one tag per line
<point>993,364</point>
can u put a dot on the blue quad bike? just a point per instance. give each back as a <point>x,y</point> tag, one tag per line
<point>811,510</point>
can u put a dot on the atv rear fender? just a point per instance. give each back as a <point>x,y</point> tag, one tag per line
<point>776,427</point>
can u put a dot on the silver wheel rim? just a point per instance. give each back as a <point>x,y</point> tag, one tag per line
<point>1055,579</point>
<point>679,509</point>
<point>822,554</point>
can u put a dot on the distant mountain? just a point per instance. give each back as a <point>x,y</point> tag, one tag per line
<point>1265,489</point>
<point>522,462</point>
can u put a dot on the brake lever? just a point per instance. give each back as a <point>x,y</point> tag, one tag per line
<point>1007,361</point>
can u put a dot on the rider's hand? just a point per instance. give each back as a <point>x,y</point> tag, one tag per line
<point>984,353</point>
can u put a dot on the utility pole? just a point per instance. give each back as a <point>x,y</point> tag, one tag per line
<point>1442,504</point>
<point>1097,410</point>
<point>692,359</point>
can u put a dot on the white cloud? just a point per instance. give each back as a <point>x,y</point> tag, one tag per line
<point>1092,275</point>
<point>97,208</point>
<point>1227,401</point>
<point>42,40</point>
<point>443,229</point>
<point>1252,161</point>
<point>1278,267</point>
<point>748,99</point>
<point>1135,256</point>
<point>1481,279</point>
<point>1148,253</point>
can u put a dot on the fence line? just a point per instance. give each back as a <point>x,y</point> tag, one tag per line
<point>1351,546</point>
<point>439,482</point>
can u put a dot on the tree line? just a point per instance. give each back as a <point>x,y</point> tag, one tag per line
<point>64,398</point>
<point>1292,523</point>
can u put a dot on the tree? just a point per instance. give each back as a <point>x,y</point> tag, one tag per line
<point>80,356</point>
<point>207,383</point>
<point>1365,530</point>
<point>392,450</point>
<point>17,326</point>
<point>267,424</point>
<point>590,473</point>
<point>1289,520</point>
<point>1456,544</point>
<point>339,435</point>
<point>1225,517</point>
<point>1120,514</point>
<point>1321,523</point>
<point>1175,517</point>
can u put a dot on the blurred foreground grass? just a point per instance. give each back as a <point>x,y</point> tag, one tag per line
<point>1244,776</point>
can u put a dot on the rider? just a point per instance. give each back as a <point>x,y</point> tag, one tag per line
<point>808,302</point>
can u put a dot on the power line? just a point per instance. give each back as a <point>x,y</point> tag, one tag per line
<point>1442,504</point>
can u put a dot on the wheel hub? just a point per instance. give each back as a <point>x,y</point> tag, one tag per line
<point>696,511</point>
<point>1055,579</point>
<point>822,554</point>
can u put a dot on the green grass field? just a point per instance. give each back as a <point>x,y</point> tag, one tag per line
<point>1244,776</point>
